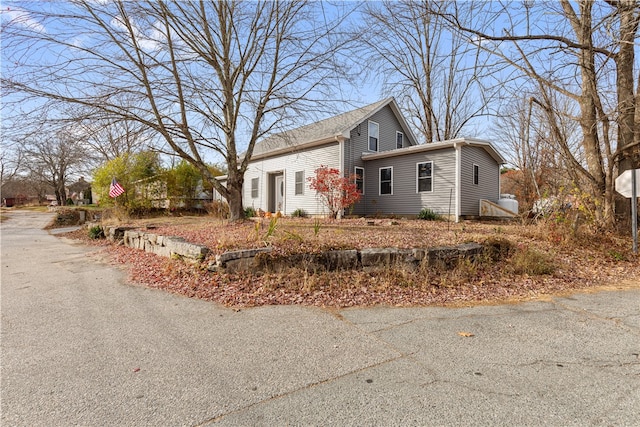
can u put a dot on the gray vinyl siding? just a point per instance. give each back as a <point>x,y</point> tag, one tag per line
<point>489,180</point>
<point>405,199</point>
<point>358,143</point>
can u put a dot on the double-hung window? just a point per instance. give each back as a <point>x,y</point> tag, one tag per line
<point>299,183</point>
<point>359,179</point>
<point>399,140</point>
<point>254,188</point>
<point>386,180</point>
<point>374,136</point>
<point>424,177</point>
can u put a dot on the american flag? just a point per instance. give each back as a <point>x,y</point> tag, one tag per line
<point>115,189</point>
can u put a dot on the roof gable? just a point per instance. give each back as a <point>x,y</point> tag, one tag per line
<point>331,129</point>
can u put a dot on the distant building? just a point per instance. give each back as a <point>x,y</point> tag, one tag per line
<point>80,192</point>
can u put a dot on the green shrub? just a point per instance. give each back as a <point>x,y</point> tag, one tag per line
<point>96,232</point>
<point>182,184</point>
<point>249,212</point>
<point>428,215</point>
<point>138,174</point>
<point>273,226</point>
<point>299,213</point>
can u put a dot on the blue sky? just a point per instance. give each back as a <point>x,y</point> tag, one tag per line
<point>14,12</point>
<point>364,91</point>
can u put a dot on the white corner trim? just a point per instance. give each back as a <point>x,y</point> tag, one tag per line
<point>341,156</point>
<point>458,148</point>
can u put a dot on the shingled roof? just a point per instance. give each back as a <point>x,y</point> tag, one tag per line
<point>323,130</point>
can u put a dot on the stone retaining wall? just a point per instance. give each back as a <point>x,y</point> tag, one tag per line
<point>263,260</point>
<point>166,246</point>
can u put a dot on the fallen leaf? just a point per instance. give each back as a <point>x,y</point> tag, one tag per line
<point>466,334</point>
<point>580,264</point>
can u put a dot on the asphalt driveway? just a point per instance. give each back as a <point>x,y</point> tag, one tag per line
<point>81,346</point>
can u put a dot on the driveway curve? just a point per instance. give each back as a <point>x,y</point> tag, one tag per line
<point>81,346</point>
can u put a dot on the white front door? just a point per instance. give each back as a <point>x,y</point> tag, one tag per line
<point>279,193</point>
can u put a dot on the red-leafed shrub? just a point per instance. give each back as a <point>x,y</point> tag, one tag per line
<point>337,192</point>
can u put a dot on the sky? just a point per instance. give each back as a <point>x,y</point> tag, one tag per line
<point>14,13</point>
<point>362,91</point>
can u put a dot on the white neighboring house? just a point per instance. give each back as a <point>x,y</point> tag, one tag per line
<point>395,175</point>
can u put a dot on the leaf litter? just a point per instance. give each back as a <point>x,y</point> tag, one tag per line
<point>579,263</point>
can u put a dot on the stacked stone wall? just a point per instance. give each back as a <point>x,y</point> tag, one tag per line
<point>262,259</point>
<point>167,246</point>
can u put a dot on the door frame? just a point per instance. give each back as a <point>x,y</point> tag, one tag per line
<point>276,178</point>
<point>279,193</point>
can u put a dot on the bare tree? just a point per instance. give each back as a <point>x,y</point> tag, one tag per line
<point>109,137</point>
<point>435,72</point>
<point>12,141</point>
<point>583,52</point>
<point>11,157</point>
<point>206,76</point>
<point>14,134</point>
<point>52,159</point>
<point>513,131</point>
<point>535,142</point>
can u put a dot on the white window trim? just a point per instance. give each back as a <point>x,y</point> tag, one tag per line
<point>399,133</point>
<point>473,174</point>
<point>355,172</point>
<point>380,181</point>
<point>257,180</point>
<point>295,184</point>
<point>368,137</point>
<point>418,177</point>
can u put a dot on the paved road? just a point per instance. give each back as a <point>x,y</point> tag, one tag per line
<point>80,346</point>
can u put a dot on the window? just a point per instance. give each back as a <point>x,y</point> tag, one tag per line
<point>359,175</point>
<point>399,139</point>
<point>299,183</point>
<point>386,180</point>
<point>476,174</point>
<point>374,134</point>
<point>254,188</point>
<point>425,177</point>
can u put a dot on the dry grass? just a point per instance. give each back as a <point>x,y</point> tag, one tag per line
<point>527,261</point>
<point>303,234</point>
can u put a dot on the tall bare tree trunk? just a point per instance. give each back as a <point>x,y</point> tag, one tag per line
<point>202,76</point>
<point>588,100</point>
<point>628,153</point>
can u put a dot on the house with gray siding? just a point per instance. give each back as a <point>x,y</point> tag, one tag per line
<point>396,175</point>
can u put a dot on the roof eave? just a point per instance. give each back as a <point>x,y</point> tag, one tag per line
<point>438,146</point>
<point>391,101</point>
<point>407,150</point>
<point>299,147</point>
<point>403,121</point>
<point>488,146</point>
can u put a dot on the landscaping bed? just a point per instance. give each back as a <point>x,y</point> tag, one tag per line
<point>538,259</point>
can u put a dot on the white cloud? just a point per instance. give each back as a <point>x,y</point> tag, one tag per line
<point>21,17</point>
<point>77,42</point>
<point>148,43</point>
